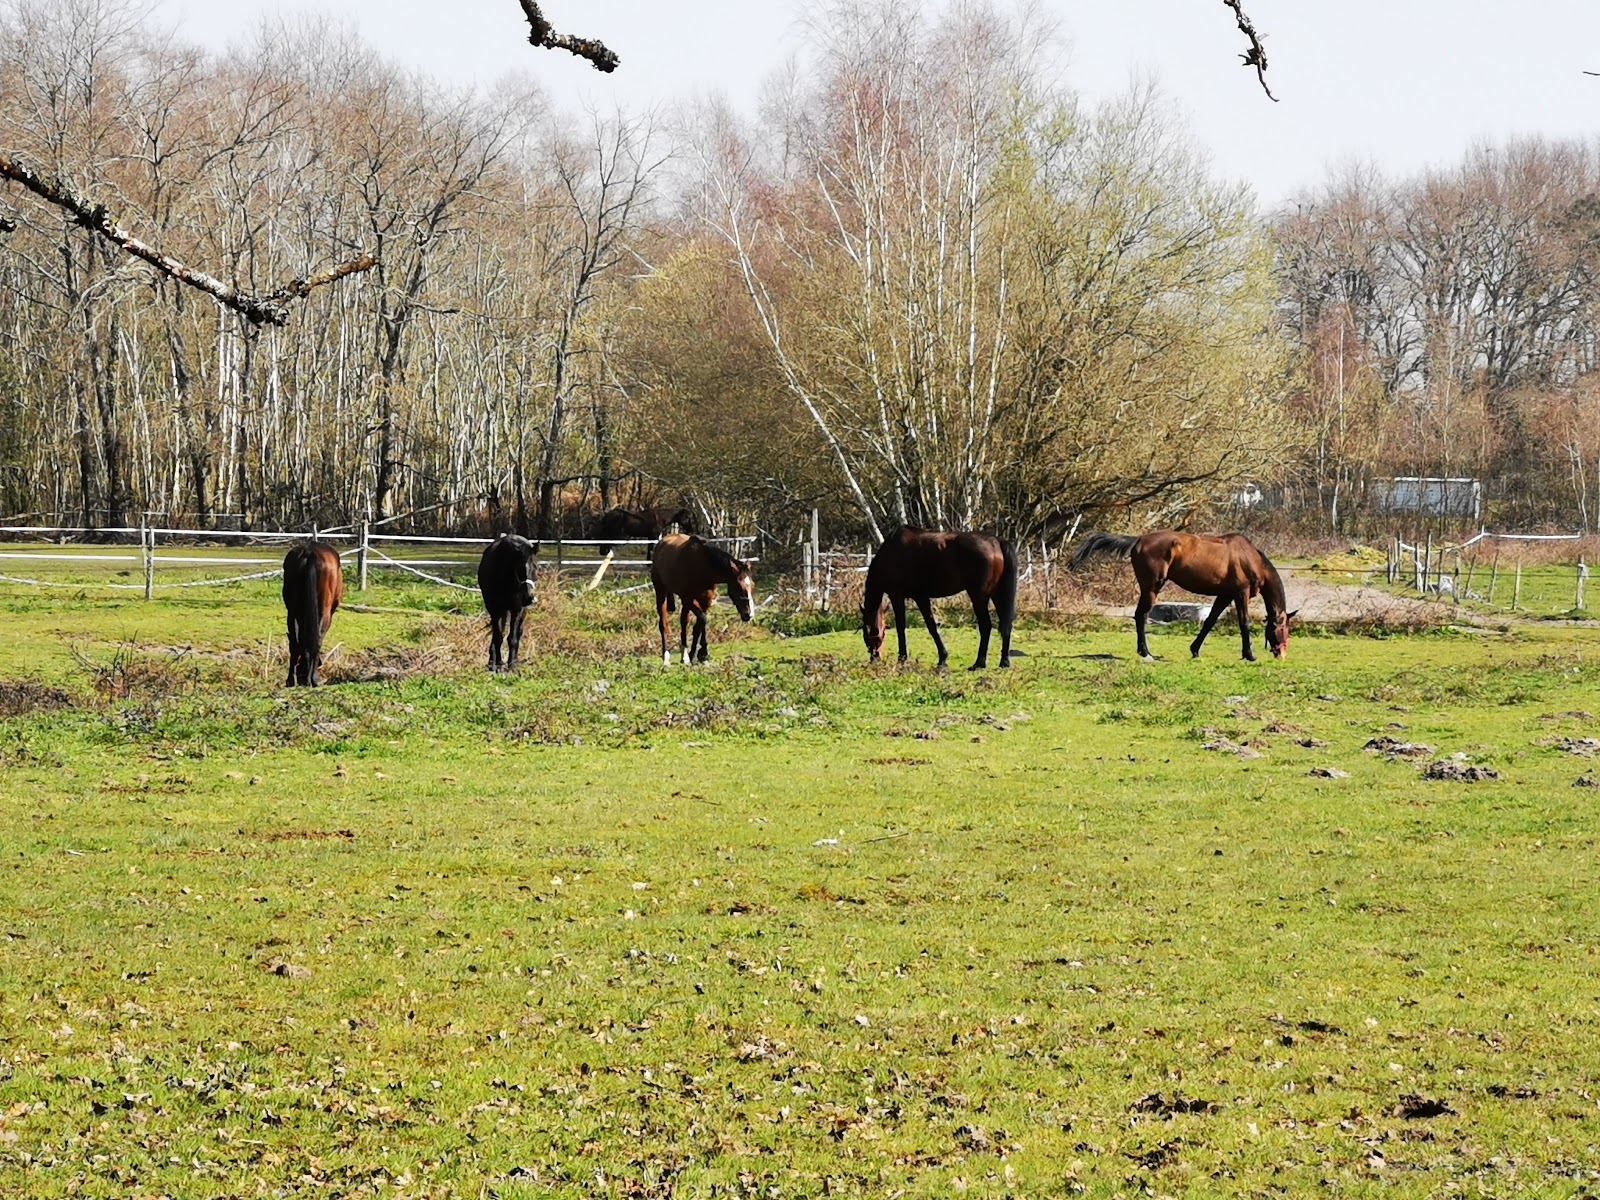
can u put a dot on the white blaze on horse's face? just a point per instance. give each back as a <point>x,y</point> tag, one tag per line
<point>745,598</point>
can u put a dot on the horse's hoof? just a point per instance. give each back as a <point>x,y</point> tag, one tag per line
<point>1005,664</point>
<point>1249,658</point>
<point>979,666</point>
<point>1147,658</point>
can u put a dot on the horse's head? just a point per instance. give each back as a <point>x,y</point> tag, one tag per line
<point>683,519</point>
<point>1278,633</point>
<point>742,589</point>
<point>872,629</point>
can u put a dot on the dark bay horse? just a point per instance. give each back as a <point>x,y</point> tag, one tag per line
<point>313,585</point>
<point>684,567</point>
<point>918,565</point>
<point>505,578</point>
<point>642,523</point>
<point>1227,566</point>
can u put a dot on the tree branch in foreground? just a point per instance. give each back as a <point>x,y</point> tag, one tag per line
<point>546,38</point>
<point>1256,56</point>
<point>270,309</point>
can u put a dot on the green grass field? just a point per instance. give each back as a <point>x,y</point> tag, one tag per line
<point>787,925</point>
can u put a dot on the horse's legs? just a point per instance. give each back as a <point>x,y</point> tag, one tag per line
<point>925,607</point>
<point>1242,603</point>
<point>980,609</point>
<point>899,603</point>
<point>683,632</point>
<point>294,655</point>
<point>514,636</point>
<point>1147,600</point>
<point>661,621</point>
<point>1004,619</point>
<point>704,653</point>
<point>495,635</point>
<point>1216,611</point>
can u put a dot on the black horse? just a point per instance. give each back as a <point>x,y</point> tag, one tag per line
<point>505,577</point>
<point>642,523</point>
<point>919,565</point>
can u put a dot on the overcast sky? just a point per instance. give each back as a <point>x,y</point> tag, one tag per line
<point>1402,83</point>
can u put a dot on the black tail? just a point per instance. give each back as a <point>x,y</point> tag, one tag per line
<point>1005,594</point>
<point>310,613</point>
<point>1097,544</point>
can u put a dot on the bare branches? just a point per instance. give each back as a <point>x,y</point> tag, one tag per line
<point>547,38</point>
<point>1256,56</point>
<point>271,309</point>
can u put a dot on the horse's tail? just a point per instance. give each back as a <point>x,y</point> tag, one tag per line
<point>310,610</point>
<point>1098,544</point>
<point>1005,594</point>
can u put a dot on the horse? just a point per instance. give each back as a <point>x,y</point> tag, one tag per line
<point>642,523</point>
<point>313,586</point>
<point>505,578</point>
<point>1227,566</point>
<point>685,567</point>
<point>921,565</point>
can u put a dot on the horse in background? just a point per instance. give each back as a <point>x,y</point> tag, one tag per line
<point>1227,566</point>
<point>688,569</point>
<point>919,565</point>
<point>623,523</point>
<point>505,579</point>
<point>313,586</point>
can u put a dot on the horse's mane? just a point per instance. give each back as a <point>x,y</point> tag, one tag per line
<point>720,558</point>
<point>1282,597</point>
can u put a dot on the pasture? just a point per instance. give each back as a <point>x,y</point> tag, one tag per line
<point>787,925</point>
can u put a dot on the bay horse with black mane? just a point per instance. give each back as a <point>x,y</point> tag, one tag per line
<point>313,586</point>
<point>1227,566</point>
<point>920,565</point>
<point>505,580</point>
<point>642,523</point>
<point>688,569</point>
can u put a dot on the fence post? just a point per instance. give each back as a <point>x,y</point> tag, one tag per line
<point>1583,573</point>
<point>1472,566</point>
<point>808,567</point>
<point>1494,574</point>
<point>1516,591</point>
<point>1049,584</point>
<point>147,547</point>
<point>362,530</point>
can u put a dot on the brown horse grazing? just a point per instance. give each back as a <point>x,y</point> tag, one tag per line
<point>505,579</point>
<point>683,566</point>
<point>642,523</point>
<point>914,564</point>
<point>1227,566</point>
<point>313,585</point>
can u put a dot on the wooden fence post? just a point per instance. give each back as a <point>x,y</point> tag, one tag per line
<point>362,531</point>
<point>1494,574</point>
<point>1583,573</point>
<point>147,547</point>
<point>1516,591</point>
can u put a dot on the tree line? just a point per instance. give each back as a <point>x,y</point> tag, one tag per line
<point>923,284</point>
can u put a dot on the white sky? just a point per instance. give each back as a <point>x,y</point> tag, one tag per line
<point>1402,83</point>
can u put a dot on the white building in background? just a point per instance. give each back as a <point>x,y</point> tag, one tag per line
<point>1429,496</point>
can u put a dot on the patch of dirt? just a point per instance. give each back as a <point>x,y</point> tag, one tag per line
<point>1414,1107</point>
<point>1162,1106</point>
<point>1394,748</point>
<point>1453,771</point>
<point>19,697</point>
<point>299,835</point>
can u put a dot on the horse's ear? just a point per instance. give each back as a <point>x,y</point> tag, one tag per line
<point>1289,616</point>
<point>535,549</point>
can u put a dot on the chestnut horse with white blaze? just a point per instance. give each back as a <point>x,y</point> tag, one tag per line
<point>684,567</point>
<point>1227,566</point>
<point>922,566</point>
<point>313,585</point>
